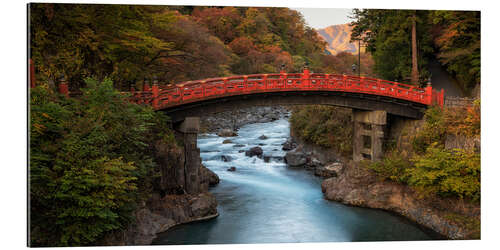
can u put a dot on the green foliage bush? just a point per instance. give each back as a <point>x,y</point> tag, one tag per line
<point>324,126</point>
<point>434,169</point>
<point>393,167</point>
<point>90,161</point>
<point>447,172</point>
<point>434,130</point>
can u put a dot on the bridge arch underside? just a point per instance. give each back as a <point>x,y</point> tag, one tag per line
<point>358,101</point>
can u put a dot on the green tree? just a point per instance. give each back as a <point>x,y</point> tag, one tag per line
<point>387,35</point>
<point>447,172</point>
<point>89,162</point>
<point>457,36</point>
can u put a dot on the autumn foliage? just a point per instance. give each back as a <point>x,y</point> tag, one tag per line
<point>130,43</point>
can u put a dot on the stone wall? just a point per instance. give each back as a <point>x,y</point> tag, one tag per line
<point>455,101</point>
<point>400,133</point>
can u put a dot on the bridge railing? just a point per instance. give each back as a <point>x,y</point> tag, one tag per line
<point>199,90</point>
<point>211,88</point>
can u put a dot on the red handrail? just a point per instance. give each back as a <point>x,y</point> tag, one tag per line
<point>211,88</point>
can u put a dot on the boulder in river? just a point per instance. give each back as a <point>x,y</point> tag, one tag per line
<point>227,141</point>
<point>231,169</point>
<point>227,133</point>
<point>254,151</point>
<point>267,158</point>
<point>239,146</point>
<point>226,158</point>
<point>289,145</point>
<point>296,158</point>
<point>262,137</point>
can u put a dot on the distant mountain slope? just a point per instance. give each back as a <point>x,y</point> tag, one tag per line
<point>337,37</point>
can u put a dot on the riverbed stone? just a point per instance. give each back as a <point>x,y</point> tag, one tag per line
<point>262,137</point>
<point>227,141</point>
<point>226,158</point>
<point>289,145</point>
<point>227,133</point>
<point>255,151</point>
<point>296,158</point>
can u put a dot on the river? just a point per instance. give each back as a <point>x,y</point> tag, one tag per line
<point>268,202</point>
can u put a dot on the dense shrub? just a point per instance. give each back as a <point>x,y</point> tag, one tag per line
<point>89,163</point>
<point>464,120</point>
<point>326,126</point>
<point>434,169</point>
<point>439,122</point>
<point>447,172</point>
<point>433,130</point>
<point>393,167</point>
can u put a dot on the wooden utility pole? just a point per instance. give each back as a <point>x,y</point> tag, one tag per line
<point>359,57</point>
<point>414,68</point>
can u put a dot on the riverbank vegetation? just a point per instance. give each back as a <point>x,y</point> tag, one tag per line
<point>433,167</point>
<point>329,127</point>
<point>91,163</point>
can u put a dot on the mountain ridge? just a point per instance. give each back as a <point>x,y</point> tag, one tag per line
<point>337,36</point>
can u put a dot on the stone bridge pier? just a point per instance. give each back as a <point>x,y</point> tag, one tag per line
<point>368,138</point>
<point>188,130</point>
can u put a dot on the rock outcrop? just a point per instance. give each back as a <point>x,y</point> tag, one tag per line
<point>357,186</point>
<point>330,170</point>
<point>169,204</point>
<point>162,213</point>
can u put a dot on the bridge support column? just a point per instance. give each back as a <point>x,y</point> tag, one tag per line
<point>368,136</point>
<point>188,131</point>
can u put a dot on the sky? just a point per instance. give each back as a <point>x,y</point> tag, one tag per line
<point>319,18</point>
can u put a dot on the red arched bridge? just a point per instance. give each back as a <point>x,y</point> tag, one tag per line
<point>192,98</point>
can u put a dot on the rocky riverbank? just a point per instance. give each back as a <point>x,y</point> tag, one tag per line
<point>233,120</point>
<point>357,186</point>
<point>159,213</point>
<point>353,184</point>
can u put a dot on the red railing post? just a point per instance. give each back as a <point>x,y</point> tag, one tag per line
<point>145,86</point>
<point>63,86</point>
<point>155,91</point>
<point>428,91</point>
<point>344,81</point>
<point>306,77</point>
<point>225,85</point>
<point>264,81</point>
<point>32,73</point>
<point>441,98</point>
<point>245,83</point>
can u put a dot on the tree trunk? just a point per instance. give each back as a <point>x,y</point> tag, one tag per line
<point>414,68</point>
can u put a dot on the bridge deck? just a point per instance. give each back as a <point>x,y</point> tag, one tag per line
<point>213,88</point>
